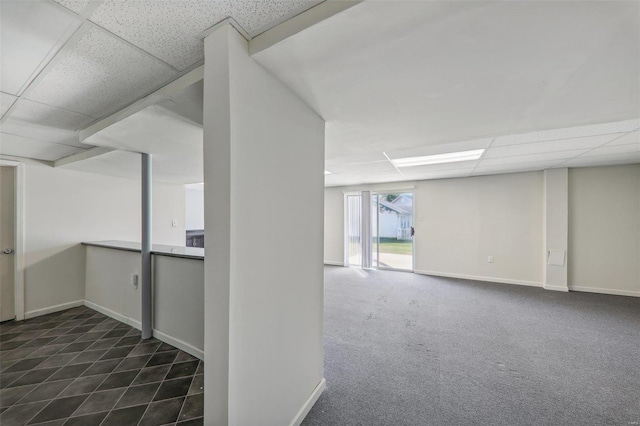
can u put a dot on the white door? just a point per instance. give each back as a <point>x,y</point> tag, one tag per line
<point>7,238</point>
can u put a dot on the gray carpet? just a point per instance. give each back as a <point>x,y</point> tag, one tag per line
<point>405,349</point>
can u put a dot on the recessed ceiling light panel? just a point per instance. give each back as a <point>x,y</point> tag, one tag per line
<point>449,157</point>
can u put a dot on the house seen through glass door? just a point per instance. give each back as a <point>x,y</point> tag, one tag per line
<point>392,230</point>
<point>380,236</point>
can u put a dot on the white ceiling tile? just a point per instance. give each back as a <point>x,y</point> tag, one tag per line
<point>6,100</point>
<point>549,146</point>
<point>78,6</point>
<point>173,37</point>
<point>569,133</point>
<point>30,32</point>
<point>30,148</point>
<point>256,17</point>
<point>127,164</point>
<point>536,165</point>
<point>531,158</point>
<point>489,172</point>
<point>434,168</point>
<point>356,159</point>
<point>614,150</point>
<point>438,174</point>
<point>44,133</point>
<point>604,160</point>
<point>98,76</point>
<point>363,168</point>
<point>45,115</point>
<point>338,180</point>
<point>629,138</point>
<point>41,133</point>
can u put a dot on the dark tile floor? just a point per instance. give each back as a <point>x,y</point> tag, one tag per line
<point>79,367</point>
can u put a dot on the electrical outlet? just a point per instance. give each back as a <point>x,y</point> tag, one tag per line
<point>490,259</point>
<point>174,223</point>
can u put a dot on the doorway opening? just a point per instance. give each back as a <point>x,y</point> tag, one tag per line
<point>7,239</point>
<point>379,230</point>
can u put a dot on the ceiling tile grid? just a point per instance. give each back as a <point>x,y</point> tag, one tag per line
<point>20,146</point>
<point>78,6</point>
<point>603,160</point>
<point>587,142</point>
<point>629,138</point>
<point>45,115</point>
<point>42,133</point>
<point>98,76</point>
<point>6,101</point>
<point>170,30</point>
<point>31,33</point>
<point>617,127</point>
<point>530,158</point>
<point>613,150</point>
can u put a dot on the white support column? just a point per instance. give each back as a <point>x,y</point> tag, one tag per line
<point>556,229</point>
<point>264,195</point>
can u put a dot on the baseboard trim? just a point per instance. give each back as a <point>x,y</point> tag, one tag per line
<point>480,278</point>
<point>605,291</point>
<point>308,404</point>
<point>556,287</point>
<point>113,314</point>
<point>183,346</point>
<point>52,309</point>
<point>327,262</point>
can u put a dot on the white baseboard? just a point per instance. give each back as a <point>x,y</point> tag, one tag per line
<point>113,314</point>
<point>330,263</point>
<point>480,278</point>
<point>308,404</point>
<point>556,287</point>
<point>51,309</point>
<point>605,291</point>
<point>183,346</point>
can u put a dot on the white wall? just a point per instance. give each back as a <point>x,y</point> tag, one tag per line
<point>178,294</point>
<point>334,226</point>
<point>64,208</point>
<point>194,206</point>
<point>460,222</point>
<point>604,229</point>
<point>178,301</point>
<point>263,275</point>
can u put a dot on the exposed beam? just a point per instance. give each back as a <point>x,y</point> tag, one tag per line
<point>299,23</point>
<point>161,94</point>
<point>261,42</point>
<point>81,156</point>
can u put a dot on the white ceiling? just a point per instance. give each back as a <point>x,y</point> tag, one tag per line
<point>173,140</point>
<point>412,78</point>
<point>68,63</point>
<point>537,84</point>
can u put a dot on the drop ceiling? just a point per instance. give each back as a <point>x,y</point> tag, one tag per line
<point>69,63</point>
<point>536,84</point>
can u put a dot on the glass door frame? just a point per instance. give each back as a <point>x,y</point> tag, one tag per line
<point>376,261</point>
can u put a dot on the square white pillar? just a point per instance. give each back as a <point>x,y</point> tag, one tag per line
<point>264,196</point>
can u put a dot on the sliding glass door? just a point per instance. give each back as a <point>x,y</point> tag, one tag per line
<point>353,230</point>
<point>394,233</point>
<point>379,230</point>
